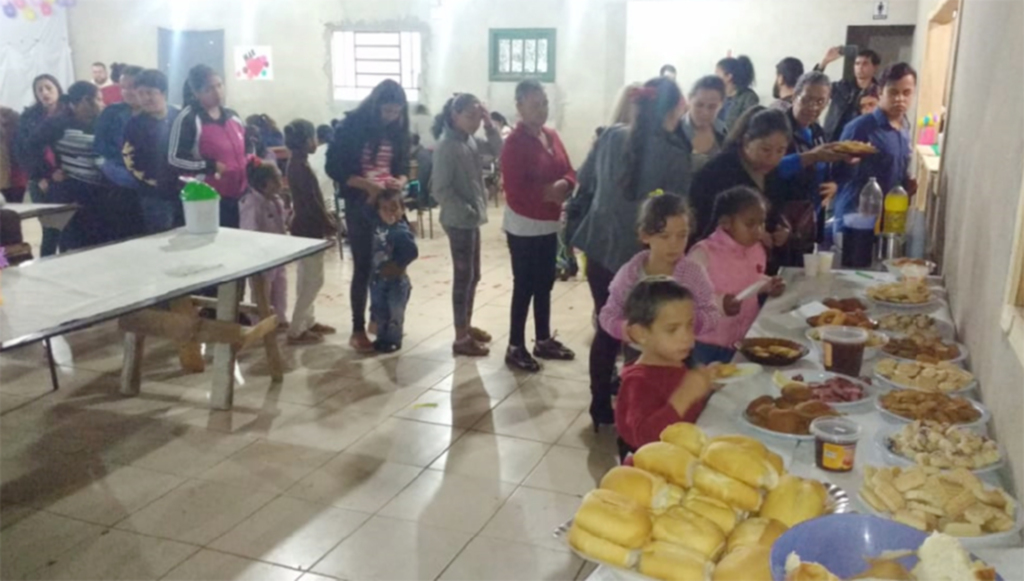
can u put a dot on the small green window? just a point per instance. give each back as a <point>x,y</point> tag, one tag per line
<point>522,53</point>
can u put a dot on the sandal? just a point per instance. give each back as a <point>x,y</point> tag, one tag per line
<point>306,338</point>
<point>553,349</point>
<point>519,358</point>
<point>479,335</point>
<point>361,343</point>
<point>469,347</point>
<point>323,329</point>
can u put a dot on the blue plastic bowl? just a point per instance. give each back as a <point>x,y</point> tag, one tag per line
<point>840,542</point>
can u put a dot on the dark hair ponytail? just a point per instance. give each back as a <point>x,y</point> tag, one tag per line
<point>740,69</point>
<point>757,122</point>
<point>732,202</point>
<point>297,135</point>
<point>198,77</point>
<point>80,91</point>
<point>260,173</point>
<point>38,106</point>
<point>656,210</point>
<point>653,102</point>
<point>457,104</point>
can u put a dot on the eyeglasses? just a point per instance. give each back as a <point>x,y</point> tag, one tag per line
<point>820,102</point>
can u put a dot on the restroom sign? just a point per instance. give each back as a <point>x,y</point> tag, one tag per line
<point>881,10</point>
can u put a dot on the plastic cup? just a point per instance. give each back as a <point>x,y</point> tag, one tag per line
<point>835,443</point>
<point>810,265</point>
<point>825,260</point>
<point>842,349</point>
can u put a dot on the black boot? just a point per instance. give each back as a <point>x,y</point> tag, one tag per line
<point>601,412</point>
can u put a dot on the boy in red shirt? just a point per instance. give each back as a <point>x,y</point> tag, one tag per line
<point>658,390</point>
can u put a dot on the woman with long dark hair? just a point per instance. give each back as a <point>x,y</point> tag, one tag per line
<point>48,93</point>
<point>208,139</point>
<point>538,179</point>
<point>738,75</point>
<point>458,186</point>
<point>701,124</point>
<point>369,154</point>
<point>631,162</point>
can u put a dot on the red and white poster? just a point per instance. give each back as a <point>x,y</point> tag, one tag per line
<point>254,63</point>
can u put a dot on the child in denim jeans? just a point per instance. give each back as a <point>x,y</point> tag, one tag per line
<point>394,248</point>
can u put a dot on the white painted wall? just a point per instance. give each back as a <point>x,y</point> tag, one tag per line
<point>693,35</point>
<point>456,45</point>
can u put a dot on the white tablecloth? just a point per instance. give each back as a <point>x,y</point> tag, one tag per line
<point>50,215</point>
<point>71,291</point>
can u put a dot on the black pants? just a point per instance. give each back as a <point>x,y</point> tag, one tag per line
<point>605,348</point>
<point>124,214</point>
<point>360,240</point>
<point>533,277</point>
<point>465,247</point>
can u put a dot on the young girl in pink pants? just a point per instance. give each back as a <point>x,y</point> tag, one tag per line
<point>262,210</point>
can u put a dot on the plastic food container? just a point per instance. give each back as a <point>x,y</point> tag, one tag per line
<point>835,443</point>
<point>202,208</point>
<point>842,349</point>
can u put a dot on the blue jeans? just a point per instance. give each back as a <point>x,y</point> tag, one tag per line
<point>51,236</point>
<point>160,212</point>
<point>388,299</point>
<point>706,354</point>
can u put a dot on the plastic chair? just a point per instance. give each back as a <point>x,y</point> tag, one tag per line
<point>419,199</point>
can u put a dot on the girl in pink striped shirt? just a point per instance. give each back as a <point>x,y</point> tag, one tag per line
<point>664,228</point>
<point>734,259</point>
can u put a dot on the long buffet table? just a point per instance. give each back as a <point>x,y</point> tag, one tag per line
<point>778,319</point>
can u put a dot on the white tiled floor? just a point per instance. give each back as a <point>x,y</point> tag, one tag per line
<point>415,465</point>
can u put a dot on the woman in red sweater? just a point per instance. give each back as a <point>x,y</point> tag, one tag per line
<point>538,179</point>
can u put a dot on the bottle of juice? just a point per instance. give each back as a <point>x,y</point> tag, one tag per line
<point>897,204</point>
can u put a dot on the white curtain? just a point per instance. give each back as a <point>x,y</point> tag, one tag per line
<point>31,48</point>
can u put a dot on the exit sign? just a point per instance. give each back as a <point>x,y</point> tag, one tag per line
<point>881,10</point>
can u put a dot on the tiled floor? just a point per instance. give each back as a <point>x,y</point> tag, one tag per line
<point>415,465</point>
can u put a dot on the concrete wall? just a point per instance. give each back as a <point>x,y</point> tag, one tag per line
<point>693,35</point>
<point>455,49</point>
<point>982,179</point>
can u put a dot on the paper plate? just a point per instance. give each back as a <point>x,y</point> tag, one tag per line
<point>978,424</point>
<point>765,431</point>
<point>966,391</point>
<point>746,371</point>
<point>883,439</point>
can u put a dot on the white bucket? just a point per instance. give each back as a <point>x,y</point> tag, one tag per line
<point>202,217</point>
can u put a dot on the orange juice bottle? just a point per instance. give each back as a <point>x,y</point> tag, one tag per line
<point>897,204</point>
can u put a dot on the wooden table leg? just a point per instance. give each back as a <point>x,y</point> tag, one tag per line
<point>190,354</point>
<point>131,373</point>
<point>223,393</point>
<point>259,285</point>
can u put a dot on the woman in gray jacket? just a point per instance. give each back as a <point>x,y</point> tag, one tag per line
<point>627,164</point>
<point>458,186</point>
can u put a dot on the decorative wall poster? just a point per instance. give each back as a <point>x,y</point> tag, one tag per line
<point>253,63</point>
<point>32,9</point>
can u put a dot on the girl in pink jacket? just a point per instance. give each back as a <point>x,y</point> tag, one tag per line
<point>262,210</point>
<point>735,259</point>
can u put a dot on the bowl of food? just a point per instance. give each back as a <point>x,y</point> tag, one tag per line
<point>956,503</point>
<point>844,394</point>
<point>837,318</point>
<point>903,406</point>
<point>935,445</point>
<point>864,546</point>
<point>924,349</point>
<point>876,341</point>
<point>916,325</point>
<point>773,352</point>
<point>905,294</point>
<point>788,416</point>
<point>944,377</point>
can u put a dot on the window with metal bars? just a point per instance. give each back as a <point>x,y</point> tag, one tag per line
<point>522,53</point>
<point>361,60</point>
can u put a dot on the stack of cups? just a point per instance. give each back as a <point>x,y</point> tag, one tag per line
<point>818,264</point>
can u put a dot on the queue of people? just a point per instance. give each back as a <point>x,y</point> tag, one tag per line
<point>682,202</point>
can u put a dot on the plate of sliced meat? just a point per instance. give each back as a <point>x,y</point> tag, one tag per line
<point>844,394</point>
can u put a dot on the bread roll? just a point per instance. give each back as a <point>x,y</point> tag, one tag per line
<point>752,563</point>
<point>685,435</point>
<point>669,461</point>
<point>776,461</point>
<point>649,490</point>
<point>614,517</point>
<point>755,531</point>
<point>714,510</point>
<point>729,490</point>
<point>740,463</point>
<point>795,500</point>
<point>601,549</point>
<point>682,527</point>
<point>799,571</point>
<point>743,442</point>
<point>674,563</point>
<point>943,557</point>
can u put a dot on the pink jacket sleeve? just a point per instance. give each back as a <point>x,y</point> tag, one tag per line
<point>692,275</point>
<point>613,315</point>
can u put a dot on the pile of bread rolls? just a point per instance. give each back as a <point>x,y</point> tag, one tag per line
<point>686,504</point>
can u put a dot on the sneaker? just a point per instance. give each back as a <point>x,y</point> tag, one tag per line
<point>372,328</point>
<point>385,346</point>
<point>553,349</point>
<point>306,338</point>
<point>323,329</point>
<point>479,335</point>
<point>469,347</point>
<point>519,358</point>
